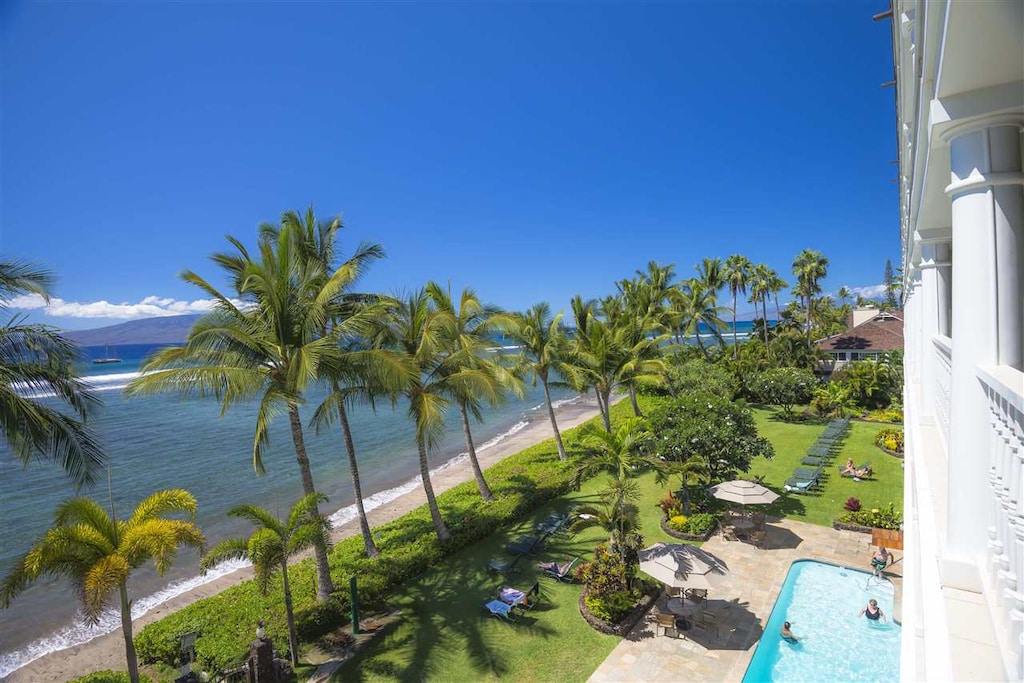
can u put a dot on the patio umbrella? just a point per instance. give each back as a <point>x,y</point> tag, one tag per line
<point>743,492</point>
<point>682,566</point>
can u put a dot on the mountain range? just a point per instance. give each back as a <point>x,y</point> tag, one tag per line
<point>166,330</point>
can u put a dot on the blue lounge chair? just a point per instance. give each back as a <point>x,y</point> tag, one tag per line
<point>794,485</point>
<point>499,609</point>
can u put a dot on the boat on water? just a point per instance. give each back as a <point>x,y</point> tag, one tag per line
<point>107,358</point>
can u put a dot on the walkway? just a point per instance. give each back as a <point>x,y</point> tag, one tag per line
<point>742,605</point>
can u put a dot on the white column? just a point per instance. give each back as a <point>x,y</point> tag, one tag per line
<point>912,318</point>
<point>944,277</point>
<point>986,203</point>
<point>928,317</point>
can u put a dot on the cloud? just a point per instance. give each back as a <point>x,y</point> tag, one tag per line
<point>869,291</point>
<point>149,307</point>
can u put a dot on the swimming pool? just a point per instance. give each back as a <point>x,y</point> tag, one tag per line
<point>821,602</point>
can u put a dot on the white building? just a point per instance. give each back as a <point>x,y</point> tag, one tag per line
<point>960,114</point>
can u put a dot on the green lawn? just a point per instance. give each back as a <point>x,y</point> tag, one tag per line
<point>445,634</point>
<point>791,442</point>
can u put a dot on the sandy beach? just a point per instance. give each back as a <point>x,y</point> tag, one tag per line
<point>107,651</point>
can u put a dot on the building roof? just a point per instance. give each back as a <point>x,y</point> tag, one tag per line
<point>883,332</point>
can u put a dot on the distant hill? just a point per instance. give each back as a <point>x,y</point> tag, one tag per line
<point>168,330</point>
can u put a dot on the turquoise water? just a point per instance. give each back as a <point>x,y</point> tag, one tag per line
<point>163,441</point>
<point>822,601</point>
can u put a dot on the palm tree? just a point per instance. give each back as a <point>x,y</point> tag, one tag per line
<point>775,285</point>
<point>844,294</point>
<point>413,330</point>
<point>810,267</point>
<point>270,546</point>
<point>37,361</point>
<point>693,306</point>
<point>617,514</point>
<point>710,272</point>
<point>542,354</point>
<point>736,274</point>
<point>690,471</point>
<point>98,552</point>
<point>618,453</point>
<point>357,373</point>
<point>268,347</point>
<point>475,377</point>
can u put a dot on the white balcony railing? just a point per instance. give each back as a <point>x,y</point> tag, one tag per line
<point>943,365</point>
<point>1004,387</point>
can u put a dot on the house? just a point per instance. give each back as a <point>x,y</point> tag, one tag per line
<point>959,77</point>
<point>873,332</point>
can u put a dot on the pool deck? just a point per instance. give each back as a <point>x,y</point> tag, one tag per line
<point>741,606</point>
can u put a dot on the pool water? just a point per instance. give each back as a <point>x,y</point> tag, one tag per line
<point>821,601</point>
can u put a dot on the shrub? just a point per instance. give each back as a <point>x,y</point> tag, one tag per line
<point>783,387</point>
<point>701,523</point>
<point>879,518</point>
<point>893,415</point>
<point>852,504</point>
<point>607,579</point>
<point>109,676</point>
<point>679,523</point>
<point>670,506</point>
<point>890,439</point>
<point>698,375</point>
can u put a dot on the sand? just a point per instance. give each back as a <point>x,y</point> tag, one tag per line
<point>107,651</point>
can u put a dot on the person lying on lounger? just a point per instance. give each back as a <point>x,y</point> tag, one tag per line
<point>849,469</point>
<point>554,567</point>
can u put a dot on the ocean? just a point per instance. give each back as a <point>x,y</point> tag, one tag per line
<point>167,441</point>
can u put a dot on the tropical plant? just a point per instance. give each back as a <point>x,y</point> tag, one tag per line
<point>892,284</point>
<point>618,515</point>
<point>697,374</point>
<point>357,373</point>
<point>736,274</point>
<point>784,387</point>
<point>844,294</point>
<point>791,349</point>
<point>890,439</point>
<point>810,267</point>
<point>98,552</point>
<point>477,375</point>
<point>542,354</point>
<point>414,330</point>
<point>270,546</point>
<point>694,306</point>
<point>871,384</point>
<point>710,429</point>
<point>267,344</point>
<point>618,453</point>
<point>609,594</point>
<point>35,360</point>
<point>831,400</point>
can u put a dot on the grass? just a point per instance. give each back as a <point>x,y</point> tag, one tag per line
<point>791,441</point>
<point>446,635</point>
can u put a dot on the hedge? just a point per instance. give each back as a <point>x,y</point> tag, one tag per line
<point>226,622</point>
<point>109,676</point>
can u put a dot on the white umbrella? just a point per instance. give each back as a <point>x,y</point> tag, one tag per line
<point>743,492</point>
<point>682,566</point>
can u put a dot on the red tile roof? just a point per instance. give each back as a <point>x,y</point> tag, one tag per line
<point>884,332</point>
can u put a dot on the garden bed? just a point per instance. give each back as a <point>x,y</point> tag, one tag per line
<point>846,526</point>
<point>626,625</point>
<point>684,536</point>
<point>895,454</point>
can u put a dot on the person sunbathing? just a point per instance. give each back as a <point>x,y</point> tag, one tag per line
<point>554,567</point>
<point>849,469</point>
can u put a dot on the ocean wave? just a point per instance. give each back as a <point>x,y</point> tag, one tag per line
<point>79,633</point>
<point>96,383</point>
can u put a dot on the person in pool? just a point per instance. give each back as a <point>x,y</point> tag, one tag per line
<point>880,561</point>
<point>873,612</point>
<point>787,634</point>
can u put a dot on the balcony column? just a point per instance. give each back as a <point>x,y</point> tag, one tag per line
<point>928,316</point>
<point>944,284</point>
<point>988,218</point>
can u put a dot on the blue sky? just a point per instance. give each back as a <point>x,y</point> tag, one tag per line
<point>532,151</point>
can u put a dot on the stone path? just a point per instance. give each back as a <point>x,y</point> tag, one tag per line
<point>742,605</point>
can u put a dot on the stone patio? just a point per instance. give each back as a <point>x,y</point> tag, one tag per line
<point>741,605</point>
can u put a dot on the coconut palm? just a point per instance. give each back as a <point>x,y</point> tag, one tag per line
<point>265,345</point>
<point>617,514</point>
<point>414,330</point>
<point>476,375</point>
<point>760,283</point>
<point>693,306</point>
<point>690,471</point>
<point>358,373</point>
<point>37,361</point>
<point>98,552</point>
<point>543,349</point>
<point>270,546</point>
<point>736,274</point>
<point>844,294</point>
<point>710,272</point>
<point>810,267</point>
<point>619,453</point>
<point>775,285</point>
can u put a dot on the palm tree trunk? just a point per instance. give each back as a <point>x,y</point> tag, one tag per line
<point>778,311</point>
<point>324,587</point>
<point>809,303</point>
<point>357,489</point>
<point>636,406</point>
<point>606,410</point>
<point>764,309</point>
<point>481,483</point>
<point>293,636</point>
<point>554,423</point>
<point>126,629</point>
<point>735,349</point>
<point>435,514</point>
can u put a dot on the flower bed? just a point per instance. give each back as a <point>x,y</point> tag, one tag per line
<point>685,536</point>
<point>847,526</point>
<point>626,625</point>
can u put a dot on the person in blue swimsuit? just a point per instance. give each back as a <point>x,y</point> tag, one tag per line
<point>872,611</point>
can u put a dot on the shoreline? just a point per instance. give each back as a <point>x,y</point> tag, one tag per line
<point>107,651</point>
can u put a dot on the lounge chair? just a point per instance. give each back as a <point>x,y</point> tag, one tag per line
<point>552,524</point>
<point>812,460</point>
<point>524,600</point>
<point>561,572</point>
<point>499,609</point>
<point>524,545</point>
<point>502,565</point>
<point>807,474</point>
<point>796,485</point>
<point>862,472</point>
